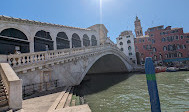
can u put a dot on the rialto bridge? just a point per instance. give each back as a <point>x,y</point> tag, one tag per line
<point>50,52</point>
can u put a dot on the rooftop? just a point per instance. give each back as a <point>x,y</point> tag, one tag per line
<point>7,18</point>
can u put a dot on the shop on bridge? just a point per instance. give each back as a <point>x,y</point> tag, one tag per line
<point>62,41</point>
<point>93,40</point>
<point>13,41</point>
<point>86,41</point>
<point>43,41</point>
<point>76,41</point>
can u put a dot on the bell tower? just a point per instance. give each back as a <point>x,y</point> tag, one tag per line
<point>138,28</point>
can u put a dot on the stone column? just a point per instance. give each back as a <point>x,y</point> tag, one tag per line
<point>31,40</point>
<point>53,36</point>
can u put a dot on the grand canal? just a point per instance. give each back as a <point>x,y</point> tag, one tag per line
<point>128,92</point>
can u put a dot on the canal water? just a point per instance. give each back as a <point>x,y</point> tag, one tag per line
<point>129,93</point>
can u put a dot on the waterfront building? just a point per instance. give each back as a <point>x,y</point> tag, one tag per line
<point>125,42</point>
<point>168,46</point>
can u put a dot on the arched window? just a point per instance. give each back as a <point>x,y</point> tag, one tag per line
<point>164,48</point>
<point>86,41</point>
<point>179,54</point>
<point>170,47</point>
<point>121,49</point>
<point>121,43</point>
<point>14,33</point>
<point>62,41</point>
<point>76,42</point>
<point>160,56</point>
<point>43,41</point>
<point>154,49</point>
<point>93,40</point>
<point>12,40</point>
<point>128,42</point>
<point>129,48</point>
<point>155,57</point>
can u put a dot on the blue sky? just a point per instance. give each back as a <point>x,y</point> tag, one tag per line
<point>117,15</point>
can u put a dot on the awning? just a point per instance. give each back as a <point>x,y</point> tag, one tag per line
<point>176,59</point>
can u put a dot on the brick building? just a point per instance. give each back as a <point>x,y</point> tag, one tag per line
<point>168,46</point>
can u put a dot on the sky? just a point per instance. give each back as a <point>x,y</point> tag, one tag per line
<point>116,15</point>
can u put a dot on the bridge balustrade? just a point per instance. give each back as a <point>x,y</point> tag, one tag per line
<point>16,60</point>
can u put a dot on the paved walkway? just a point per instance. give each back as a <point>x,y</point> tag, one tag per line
<point>41,102</point>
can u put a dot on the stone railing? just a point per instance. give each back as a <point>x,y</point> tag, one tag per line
<point>13,86</point>
<point>16,60</point>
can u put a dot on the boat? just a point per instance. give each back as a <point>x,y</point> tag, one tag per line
<point>160,69</point>
<point>172,69</point>
<point>185,68</point>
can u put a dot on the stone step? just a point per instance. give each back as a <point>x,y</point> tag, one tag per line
<point>2,87</point>
<point>2,93</point>
<point>77,100</point>
<point>69,98</point>
<point>3,103</point>
<point>3,98</point>
<point>64,99</point>
<point>2,90</point>
<point>57,101</point>
<point>73,103</point>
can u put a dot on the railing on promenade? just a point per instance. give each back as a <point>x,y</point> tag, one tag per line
<point>39,87</point>
<point>30,58</point>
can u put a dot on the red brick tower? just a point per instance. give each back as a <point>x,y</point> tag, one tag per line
<point>138,28</point>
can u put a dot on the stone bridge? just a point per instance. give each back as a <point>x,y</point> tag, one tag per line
<point>69,66</point>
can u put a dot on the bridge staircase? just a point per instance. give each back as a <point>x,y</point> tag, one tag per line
<point>68,100</point>
<point>3,96</point>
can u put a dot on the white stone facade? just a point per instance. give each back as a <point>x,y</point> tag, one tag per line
<point>125,42</point>
<point>30,28</point>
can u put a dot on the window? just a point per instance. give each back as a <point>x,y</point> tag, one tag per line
<point>181,37</point>
<point>121,43</point>
<point>155,57</point>
<point>153,41</point>
<point>136,47</point>
<point>144,46</point>
<point>128,42</point>
<point>154,49</point>
<point>120,38</point>
<point>166,55</point>
<point>160,56</point>
<point>178,46</point>
<point>149,40</point>
<point>128,36</point>
<point>177,37</point>
<point>184,46</point>
<point>129,48</point>
<point>130,54</point>
<point>164,48</point>
<point>121,49</point>
<point>179,54</point>
<point>152,35</point>
<point>187,41</point>
<point>163,39</point>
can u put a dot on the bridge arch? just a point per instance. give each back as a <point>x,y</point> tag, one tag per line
<point>11,40</point>
<point>43,41</point>
<point>112,61</point>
